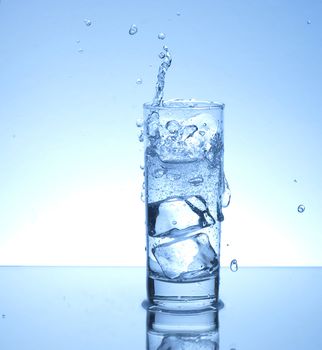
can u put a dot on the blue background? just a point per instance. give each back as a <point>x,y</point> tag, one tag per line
<point>70,180</point>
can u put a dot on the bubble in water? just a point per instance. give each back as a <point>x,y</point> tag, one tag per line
<point>87,22</point>
<point>161,54</point>
<point>133,29</point>
<point>173,176</point>
<point>161,36</point>
<point>172,126</point>
<point>234,265</point>
<point>139,122</point>
<point>196,181</point>
<point>159,172</point>
<point>139,81</point>
<point>301,208</point>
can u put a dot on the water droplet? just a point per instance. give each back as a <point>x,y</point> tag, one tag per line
<point>87,22</point>
<point>174,222</point>
<point>172,126</point>
<point>295,180</point>
<point>202,133</point>
<point>142,167</point>
<point>139,122</point>
<point>301,208</point>
<point>77,41</point>
<point>161,54</point>
<point>133,29</point>
<point>204,124</point>
<point>141,136</point>
<point>178,14</point>
<point>143,196</point>
<point>196,181</point>
<point>139,81</point>
<point>161,36</point>
<point>227,244</point>
<point>226,196</point>
<point>234,265</point>
<point>159,172</point>
<point>3,316</point>
<point>308,22</point>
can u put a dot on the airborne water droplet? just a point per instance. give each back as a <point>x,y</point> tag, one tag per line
<point>178,14</point>
<point>161,55</point>
<point>141,136</point>
<point>80,50</point>
<point>133,29</point>
<point>308,22</point>
<point>234,265</point>
<point>139,81</point>
<point>87,22</point>
<point>174,222</point>
<point>301,208</point>
<point>139,122</point>
<point>161,36</point>
<point>226,196</point>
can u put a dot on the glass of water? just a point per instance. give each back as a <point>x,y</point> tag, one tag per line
<point>184,185</point>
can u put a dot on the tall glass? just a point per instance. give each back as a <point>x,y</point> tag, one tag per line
<point>184,184</point>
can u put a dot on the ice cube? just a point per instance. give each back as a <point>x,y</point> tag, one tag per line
<point>177,342</point>
<point>178,216</point>
<point>187,257</point>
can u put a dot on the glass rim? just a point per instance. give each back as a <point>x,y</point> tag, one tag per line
<point>179,103</point>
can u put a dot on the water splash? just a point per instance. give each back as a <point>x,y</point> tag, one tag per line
<point>133,29</point>
<point>166,63</point>
<point>234,265</point>
<point>301,208</point>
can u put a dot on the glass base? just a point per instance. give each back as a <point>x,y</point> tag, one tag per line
<point>185,296</point>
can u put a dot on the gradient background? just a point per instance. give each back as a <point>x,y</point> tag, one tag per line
<point>70,180</point>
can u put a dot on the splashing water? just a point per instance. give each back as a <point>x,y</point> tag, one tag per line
<point>234,265</point>
<point>301,208</point>
<point>166,63</point>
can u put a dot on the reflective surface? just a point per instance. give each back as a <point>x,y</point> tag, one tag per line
<point>100,308</point>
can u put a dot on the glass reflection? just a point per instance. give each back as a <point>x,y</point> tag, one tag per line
<point>182,330</point>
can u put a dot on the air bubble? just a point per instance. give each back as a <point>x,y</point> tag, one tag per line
<point>234,265</point>
<point>87,22</point>
<point>301,208</point>
<point>133,29</point>
<point>196,181</point>
<point>159,172</point>
<point>161,36</point>
<point>172,126</point>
